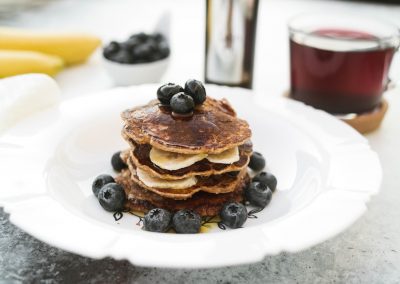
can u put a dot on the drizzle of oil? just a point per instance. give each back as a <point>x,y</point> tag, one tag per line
<point>208,227</point>
<point>137,213</point>
<point>209,224</point>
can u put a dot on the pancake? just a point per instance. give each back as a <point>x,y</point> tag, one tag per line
<point>212,129</point>
<point>205,204</point>
<point>215,184</point>
<point>140,157</point>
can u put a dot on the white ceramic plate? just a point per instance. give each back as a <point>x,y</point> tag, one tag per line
<point>326,173</point>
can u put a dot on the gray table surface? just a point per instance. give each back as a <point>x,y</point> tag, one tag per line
<point>368,252</point>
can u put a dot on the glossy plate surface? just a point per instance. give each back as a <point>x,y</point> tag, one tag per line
<point>49,160</point>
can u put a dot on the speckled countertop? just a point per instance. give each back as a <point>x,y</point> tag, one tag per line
<point>368,252</point>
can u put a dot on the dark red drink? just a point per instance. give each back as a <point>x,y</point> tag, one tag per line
<point>340,71</point>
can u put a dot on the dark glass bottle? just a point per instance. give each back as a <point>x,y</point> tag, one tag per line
<point>230,42</point>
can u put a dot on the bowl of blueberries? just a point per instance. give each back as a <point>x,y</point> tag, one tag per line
<point>142,58</point>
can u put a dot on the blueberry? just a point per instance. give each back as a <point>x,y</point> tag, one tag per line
<point>112,197</point>
<point>257,161</point>
<point>158,37</point>
<point>131,43</point>
<point>157,220</point>
<point>182,103</point>
<point>140,36</point>
<point>267,179</point>
<point>122,56</point>
<point>155,53</point>
<point>163,49</point>
<point>186,222</point>
<point>117,163</point>
<point>151,41</point>
<point>101,181</point>
<point>165,92</point>
<point>258,194</point>
<point>144,51</point>
<point>196,90</point>
<point>234,215</point>
<point>112,48</point>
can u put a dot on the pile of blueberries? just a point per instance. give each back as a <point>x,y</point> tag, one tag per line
<point>111,197</point>
<point>182,100</point>
<point>138,48</point>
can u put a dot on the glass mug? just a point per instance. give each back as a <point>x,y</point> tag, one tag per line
<point>340,63</point>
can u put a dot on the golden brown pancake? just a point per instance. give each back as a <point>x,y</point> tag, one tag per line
<point>205,204</point>
<point>215,184</point>
<point>212,129</point>
<point>140,157</point>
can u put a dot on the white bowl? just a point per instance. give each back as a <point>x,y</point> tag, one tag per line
<point>135,74</point>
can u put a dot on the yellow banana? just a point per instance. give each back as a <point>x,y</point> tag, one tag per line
<point>73,48</point>
<point>14,62</point>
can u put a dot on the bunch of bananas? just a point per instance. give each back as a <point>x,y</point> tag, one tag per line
<point>26,51</point>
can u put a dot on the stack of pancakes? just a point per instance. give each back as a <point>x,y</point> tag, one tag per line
<point>197,162</point>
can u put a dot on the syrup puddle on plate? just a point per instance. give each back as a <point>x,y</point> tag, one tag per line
<point>208,223</point>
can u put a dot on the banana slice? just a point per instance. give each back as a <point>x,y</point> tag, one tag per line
<point>173,161</point>
<point>227,157</point>
<point>162,183</point>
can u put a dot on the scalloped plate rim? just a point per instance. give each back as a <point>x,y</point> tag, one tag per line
<point>263,232</point>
